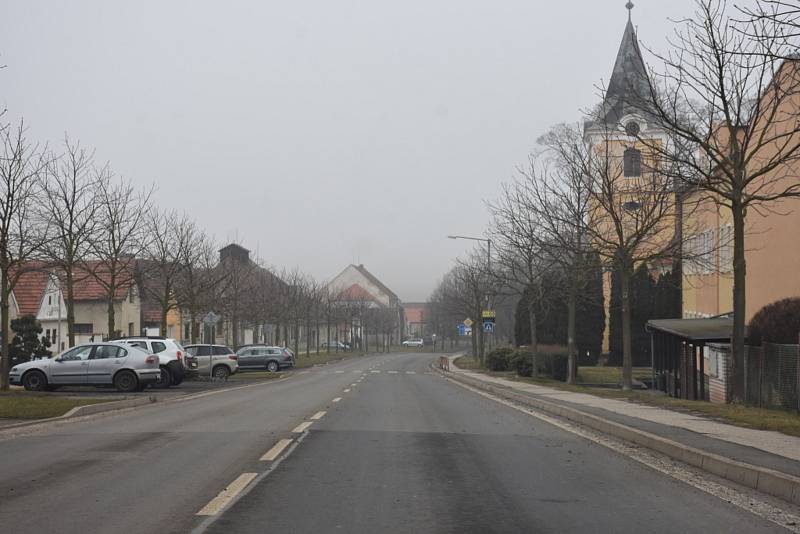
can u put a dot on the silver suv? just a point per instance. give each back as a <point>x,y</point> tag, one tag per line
<point>218,360</point>
<point>170,356</point>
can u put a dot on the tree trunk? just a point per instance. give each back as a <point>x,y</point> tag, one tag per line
<point>739,280</point>
<point>70,304</point>
<point>193,329</point>
<point>572,351</point>
<point>534,337</point>
<point>112,322</point>
<point>5,357</point>
<point>627,357</point>
<point>164,314</point>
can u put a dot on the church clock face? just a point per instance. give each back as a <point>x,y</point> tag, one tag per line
<point>632,128</point>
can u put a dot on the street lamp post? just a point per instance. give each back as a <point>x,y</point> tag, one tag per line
<point>488,271</point>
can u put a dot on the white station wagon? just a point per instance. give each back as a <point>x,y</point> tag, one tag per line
<point>127,368</point>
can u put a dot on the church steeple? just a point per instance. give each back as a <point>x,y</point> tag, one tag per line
<point>628,89</point>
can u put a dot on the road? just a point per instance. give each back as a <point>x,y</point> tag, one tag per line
<point>404,450</point>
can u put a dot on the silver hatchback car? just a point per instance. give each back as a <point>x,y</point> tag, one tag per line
<point>127,368</point>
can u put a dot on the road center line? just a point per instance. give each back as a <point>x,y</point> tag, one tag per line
<point>337,399</point>
<point>347,391</point>
<point>392,372</point>
<point>338,372</point>
<point>301,427</point>
<point>317,416</point>
<point>376,371</point>
<point>276,450</point>
<point>225,496</point>
<point>411,372</point>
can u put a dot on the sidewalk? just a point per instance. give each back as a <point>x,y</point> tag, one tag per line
<point>760,448</point>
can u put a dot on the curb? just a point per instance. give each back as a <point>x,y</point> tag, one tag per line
<point>765,480</point>
<point>88,409</point>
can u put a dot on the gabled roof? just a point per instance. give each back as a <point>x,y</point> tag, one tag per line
<point>371,277</point>
<point>629,87</point>
<point>88,287</point>
<point>356,293</point>
<point>30,289</point>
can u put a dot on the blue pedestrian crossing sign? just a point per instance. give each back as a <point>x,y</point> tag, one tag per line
<point>462,329</point>
<point>488,327</point>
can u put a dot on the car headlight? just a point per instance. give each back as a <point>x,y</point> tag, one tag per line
<point>13,369</point>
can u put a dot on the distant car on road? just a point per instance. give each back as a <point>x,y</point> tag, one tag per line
<point>127,368</point>
<point>170,356</point>
<point>414,342</point>
<point>219,359</point>
<point>266,357</point>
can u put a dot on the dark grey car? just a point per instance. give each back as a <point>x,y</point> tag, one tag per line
<point>264,357</point>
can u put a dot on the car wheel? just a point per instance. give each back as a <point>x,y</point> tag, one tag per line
<point>272,366</point>
<point>164,379</point>
<point>176,380</point>
<point>34,381</point>
<point>221,372</point>
<point>126,381</point>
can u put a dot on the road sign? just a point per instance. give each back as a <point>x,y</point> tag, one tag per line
<point>488,315</point>
<point>488,327</point>
<point>467,322</point>
<point>211,319</point>
<point>462,330</point>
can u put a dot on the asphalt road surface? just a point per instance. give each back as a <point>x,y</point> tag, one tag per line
<point>403,450</point>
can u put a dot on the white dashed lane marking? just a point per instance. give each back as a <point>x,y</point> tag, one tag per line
<point>229,493</point>
<point>377,371</point>
<point>411,372</point>
<point>301,427</point>
<point>337,399</point>
<point>317,416</point>
<point>347,391</point>
<point>276,450</point>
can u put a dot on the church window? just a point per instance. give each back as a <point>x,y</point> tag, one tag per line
<point>632,162</point>
<point>632,128</point>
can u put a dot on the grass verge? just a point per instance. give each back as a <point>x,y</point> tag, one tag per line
<point>301,360</point>
<point>785,422</point>
<point>256,375</point>
<point>24,405</point>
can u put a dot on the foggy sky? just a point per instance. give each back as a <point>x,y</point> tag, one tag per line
<point>318,133</point>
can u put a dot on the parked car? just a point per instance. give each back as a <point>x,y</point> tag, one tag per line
<point>220,360</point>
<point>272,359</point>
<point>127,368</point>
<point>414,342</point>
<point>170,356</point>
<point>333,345</point>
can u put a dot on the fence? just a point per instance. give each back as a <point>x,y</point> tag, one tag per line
<point>769,376</point>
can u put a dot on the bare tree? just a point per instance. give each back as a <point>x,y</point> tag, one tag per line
<point>22,169</point>
<point>122,236</point>
<point>198,279</point>
<point>521,262</point>
<point>729,102</point>
<point>170,235</point>
<point>630,220</point>
<point>539,224</point>
<point>70,211</point>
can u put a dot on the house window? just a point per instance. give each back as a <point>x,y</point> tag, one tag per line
<point>130,296</point>
<point>632,161</point>
<point>85,329</point>
<point>49,300</point>
<point>130,329</point>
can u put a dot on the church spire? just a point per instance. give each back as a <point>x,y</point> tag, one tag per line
<point>629,86</point>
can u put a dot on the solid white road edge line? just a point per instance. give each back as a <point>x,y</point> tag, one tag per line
<point>744,498</point>
<point>317,416</point>
<point>301,427</point>
<point>224,497</point>
<point>276,450</point>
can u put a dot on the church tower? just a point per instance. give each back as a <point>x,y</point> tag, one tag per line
<point>622,127</point>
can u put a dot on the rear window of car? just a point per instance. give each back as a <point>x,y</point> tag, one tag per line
<point>199,350</point>
<point>221,351</point>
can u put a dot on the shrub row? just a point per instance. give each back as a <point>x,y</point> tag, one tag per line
<point>508,359</point>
